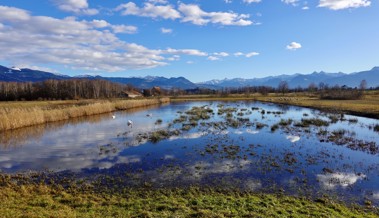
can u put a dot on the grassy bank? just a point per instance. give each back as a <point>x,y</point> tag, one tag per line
<point>15,115</point>
<point>45,201</point>
<point>368,106</point>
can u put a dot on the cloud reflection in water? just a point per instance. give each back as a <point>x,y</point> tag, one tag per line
<point>332,180</point>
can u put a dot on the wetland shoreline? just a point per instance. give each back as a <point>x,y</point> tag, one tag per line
<point>365,107</point>
<point>14,115</point>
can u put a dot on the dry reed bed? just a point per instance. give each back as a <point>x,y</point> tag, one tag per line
<point>13,118</point>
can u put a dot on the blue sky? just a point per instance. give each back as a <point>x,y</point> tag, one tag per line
<point>198,39</point>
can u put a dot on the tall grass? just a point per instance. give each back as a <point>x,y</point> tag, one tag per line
<point>17,117</point>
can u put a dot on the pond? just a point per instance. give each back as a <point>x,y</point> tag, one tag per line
<point>246,145</point>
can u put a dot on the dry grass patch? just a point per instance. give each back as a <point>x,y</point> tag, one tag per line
<point>15,115</point>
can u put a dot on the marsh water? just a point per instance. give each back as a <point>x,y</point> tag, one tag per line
<point>339,159</point>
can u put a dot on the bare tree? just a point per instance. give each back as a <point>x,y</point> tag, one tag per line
<point>283,87</point>
<point>312,87</point>
<point>60,89</point>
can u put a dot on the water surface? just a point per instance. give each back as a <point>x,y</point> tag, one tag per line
<point>291,159</point>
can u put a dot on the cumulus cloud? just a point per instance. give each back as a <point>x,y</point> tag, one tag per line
<point>213,58</point>
<point>194,14</point>
<point>88,45</point>
<point>174,58</point>
<point>99,23</point>
<point>158,1</point>
<point>193,52</point>
<point>149,10</point>
<point>221,54</point>
<point>293,46</point>
<point>166,30</point>
<point>251,1</point>
<point>291,2</point>
<point>124,29</point>
<point>343,4</point>
<point>251,54</point>
<point>248,55</point>
<point>76,6</point>
<point>186,13</point>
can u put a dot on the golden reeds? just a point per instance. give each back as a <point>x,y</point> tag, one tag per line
<point>17,117</point>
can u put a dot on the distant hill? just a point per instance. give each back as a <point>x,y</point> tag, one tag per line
<point>296,80</point>
<point>149,81</point>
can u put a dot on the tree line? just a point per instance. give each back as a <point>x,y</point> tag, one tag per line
<point>95,89</point>
<point>325,91</point>
<point>61,90</point>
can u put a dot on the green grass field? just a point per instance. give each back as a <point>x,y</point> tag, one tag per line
<point>45,201</point>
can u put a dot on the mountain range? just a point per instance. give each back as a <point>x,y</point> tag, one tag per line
<point>297,80</point>
<point>304,80</point>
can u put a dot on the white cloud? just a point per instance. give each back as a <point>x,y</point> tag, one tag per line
<point>221,54</point>
<point>228,1</point>
<point>186,13</point>
<point>190,62</point>
<point>213,58</point>
<point>87,45</point>
<point>251,54</point>
<point>251,1</point>
<point>76,6</point>
<point>194,14</point>
<point>343,4</point>
<point>13,14</point>
<point>291,2</point>
<point>248,55</point>
<point>100,23</point>
<point>158,1</point>
<point>149,10</point>
<point>293,46</point>
<point>124,29</point>
<point>166,30</point>
<point>193,52</point>
<point>174,58</point>
<point>305,8</point>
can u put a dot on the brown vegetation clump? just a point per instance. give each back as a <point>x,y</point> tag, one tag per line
<point>12,117</point>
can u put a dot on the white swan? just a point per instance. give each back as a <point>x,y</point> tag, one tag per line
<point>130,123</point>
